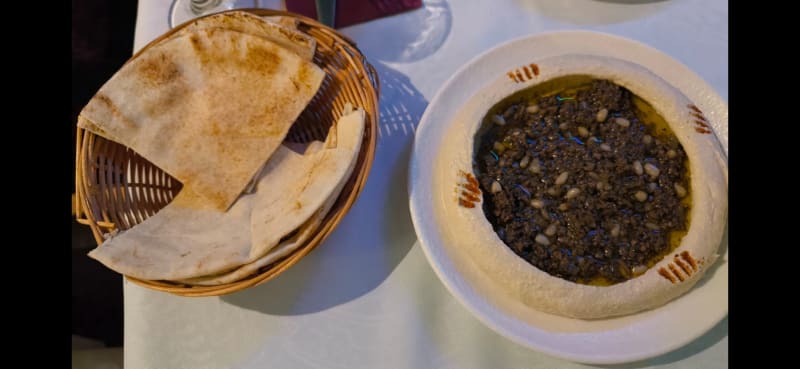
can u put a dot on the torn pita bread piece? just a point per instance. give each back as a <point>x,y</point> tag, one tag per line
<point>209,107</point>
<point>189,238</point>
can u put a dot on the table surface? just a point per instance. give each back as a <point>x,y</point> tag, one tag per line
<point>367,297</point>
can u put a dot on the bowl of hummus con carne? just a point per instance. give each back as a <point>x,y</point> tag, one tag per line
<point>572,196</point>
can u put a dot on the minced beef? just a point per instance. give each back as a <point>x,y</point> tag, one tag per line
<point>580,187</point>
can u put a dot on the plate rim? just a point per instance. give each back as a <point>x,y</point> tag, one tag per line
<point>422,229</point>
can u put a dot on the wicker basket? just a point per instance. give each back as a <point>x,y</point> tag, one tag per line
<point>117,188</point>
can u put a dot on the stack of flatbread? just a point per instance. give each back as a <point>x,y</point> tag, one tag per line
<point>211,105</point>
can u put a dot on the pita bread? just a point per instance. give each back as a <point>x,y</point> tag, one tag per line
<point>189,238</point>
<point>289,22</point>
<point>306,230</point>
<point>211,98</point>
<point>473,233</point>
<point>277,30</point>
<point>279,201</point>
<point>284,248</point>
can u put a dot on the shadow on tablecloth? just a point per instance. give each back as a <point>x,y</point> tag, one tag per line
<point>373,238</point>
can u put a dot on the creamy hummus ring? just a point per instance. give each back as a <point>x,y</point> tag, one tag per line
<point>461,208</point>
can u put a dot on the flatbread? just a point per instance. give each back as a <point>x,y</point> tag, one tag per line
<point>279,30</point>
<point>189,238</point>
<point>272,208</point>
<point>284,248</point>
<point>285,21</point>
<point>473,234</point>
<point>210,98</point>
<point>306,230</point>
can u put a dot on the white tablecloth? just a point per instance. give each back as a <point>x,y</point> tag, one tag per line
<point>367,298</point>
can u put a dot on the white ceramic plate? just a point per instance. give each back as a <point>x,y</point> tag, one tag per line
<point>624,339</point>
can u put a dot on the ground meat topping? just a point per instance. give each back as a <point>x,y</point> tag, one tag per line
<point>579,186</point>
